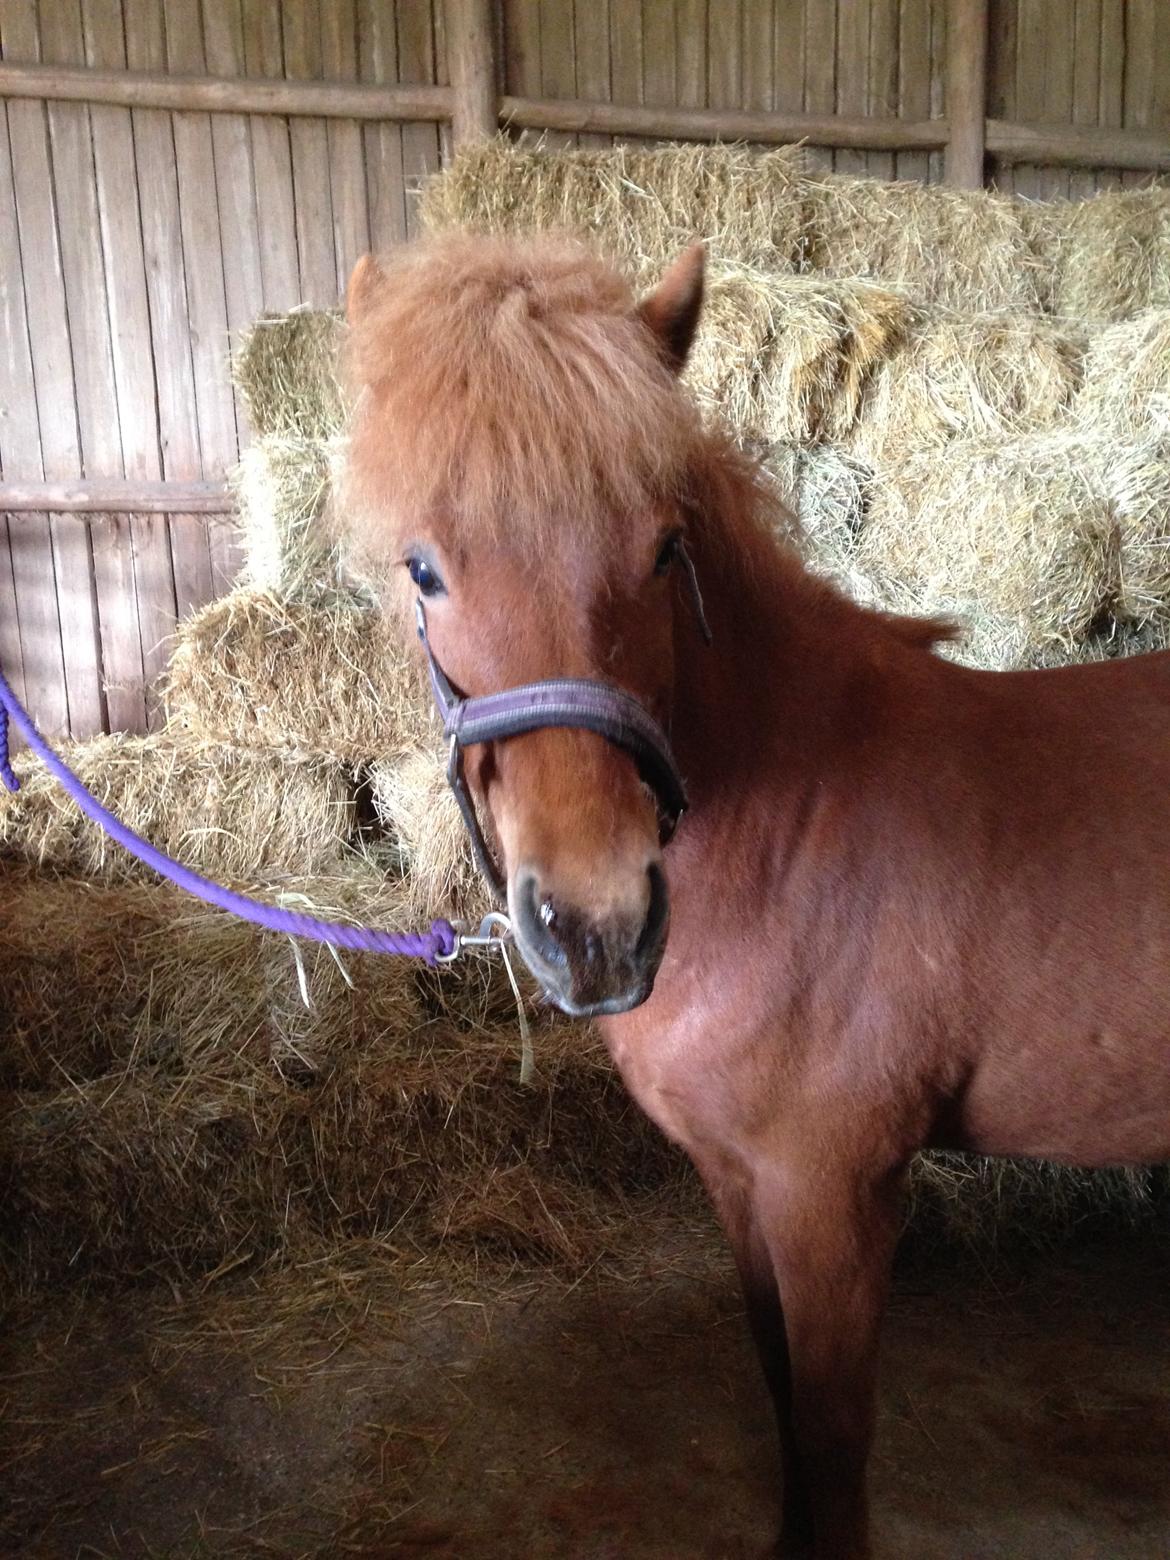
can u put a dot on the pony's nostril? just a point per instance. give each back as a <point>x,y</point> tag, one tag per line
<point>539,923</point>
<point>656,912</point>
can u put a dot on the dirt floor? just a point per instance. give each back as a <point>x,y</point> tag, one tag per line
<point>337,1411</point>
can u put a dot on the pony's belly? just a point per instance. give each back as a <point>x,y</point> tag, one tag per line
<point>1082,1115</point>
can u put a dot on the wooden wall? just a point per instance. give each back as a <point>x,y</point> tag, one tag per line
<point>135,241</point>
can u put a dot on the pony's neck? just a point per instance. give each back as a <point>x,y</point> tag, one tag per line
<point>794,669</point>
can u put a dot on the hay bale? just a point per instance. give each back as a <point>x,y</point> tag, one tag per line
<point>1102,259</point>
<point>283,488</point>
<point>1126,386</point>
<point>227,814</point>
<point>827,490</point>
<point>959,249</point>
<point>787,357</point>
<point>285,367</point>
<point>977,376</point>
<point>1136,478</point>
<point>643,205</point>
<point>1018,541</point>
<point>256,672</point>
<point>171,1102</point>
<point>414,803</point>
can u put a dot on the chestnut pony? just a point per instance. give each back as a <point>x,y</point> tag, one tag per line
<point>911,904</point>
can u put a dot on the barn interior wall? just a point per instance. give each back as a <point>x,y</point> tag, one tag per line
<point>135,242</point>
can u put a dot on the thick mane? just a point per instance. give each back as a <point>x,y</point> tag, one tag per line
<point>505,387</point>
<point>509,388</point>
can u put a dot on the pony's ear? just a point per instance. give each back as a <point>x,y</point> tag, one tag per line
<point>672,309</point>
<point>364,281</point>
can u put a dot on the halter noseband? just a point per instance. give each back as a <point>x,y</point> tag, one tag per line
<point>580,702</point>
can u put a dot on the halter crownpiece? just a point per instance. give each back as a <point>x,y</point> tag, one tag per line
<point>579,702</point>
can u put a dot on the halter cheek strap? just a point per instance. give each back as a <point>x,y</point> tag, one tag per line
<point>560,701</point>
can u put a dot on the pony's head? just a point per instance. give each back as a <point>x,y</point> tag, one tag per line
<point>519,458</point>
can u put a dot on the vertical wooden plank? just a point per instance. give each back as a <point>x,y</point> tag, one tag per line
<point>204,263</point>
<point>347,179</point>
<point>1030,48</point>
<point>1059,67</point>
<point>310,159</point>
<point>913,80</point>
<point>939,17</point>
<point>522,47</point>
<point>416,63</point>
<point>852,73</point>
<point>280,277</point>
<point>69,197</point>
<point>1001,80</point>
<point>967,94</point>
<point>758,86</point>
<point>625,56</point>
<point>725,54</point>
<point>235,183</point>
<point>1111,80</point>
<point>820,68</point>
<point>1147,80</point>
<point>1086,83</point>
<point>691,53</point>
<point>558,65</point>
<point>147,540</point>
<point>382,143</point>
<point>591,45</point>
<point>882,88</point>
<point>166,291</point>
<point>788,51</point>
<point>26,584</point>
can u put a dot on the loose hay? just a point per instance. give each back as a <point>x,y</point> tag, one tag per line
<point>286,369</point>
<point>1105,258</point>
<point>225,813</point>
<point>782,358</point>
<point>260,673</point>
<point>643,205</point>
<point>171,1103</point>
<point>978,376</point>
<point>1127,379</point>
<point>415,806</point>
<point>959,249</point>
<point>827,490</point>
<point>1019,541</point>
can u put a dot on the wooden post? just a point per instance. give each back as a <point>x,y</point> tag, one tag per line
<point>471,58</point>
<point>966,93</point>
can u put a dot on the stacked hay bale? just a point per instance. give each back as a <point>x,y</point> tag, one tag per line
<point>967,399</point>
<point>964,394</point>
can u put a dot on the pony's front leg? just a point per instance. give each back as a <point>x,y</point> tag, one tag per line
<point>732,1201</point>
<point>831,1233</point>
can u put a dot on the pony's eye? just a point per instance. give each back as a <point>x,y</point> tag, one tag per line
<point>428,582</point>
<point>666,554</point>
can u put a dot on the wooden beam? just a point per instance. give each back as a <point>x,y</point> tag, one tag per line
<point>711,124</point>
<point>966,87</point>
<point>471,63</point>
<point>114,496</point>
<point>1079,146</point>
<point>1073,146</point>
<point>224,95</point>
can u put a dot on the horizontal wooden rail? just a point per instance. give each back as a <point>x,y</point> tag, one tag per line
<point>114,496</point>
<point>718,124</point>
<point>1079,146</point>
<point>226,95</point>
<point>1073,146</point>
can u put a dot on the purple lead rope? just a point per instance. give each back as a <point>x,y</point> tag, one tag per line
<point>440,942</point>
